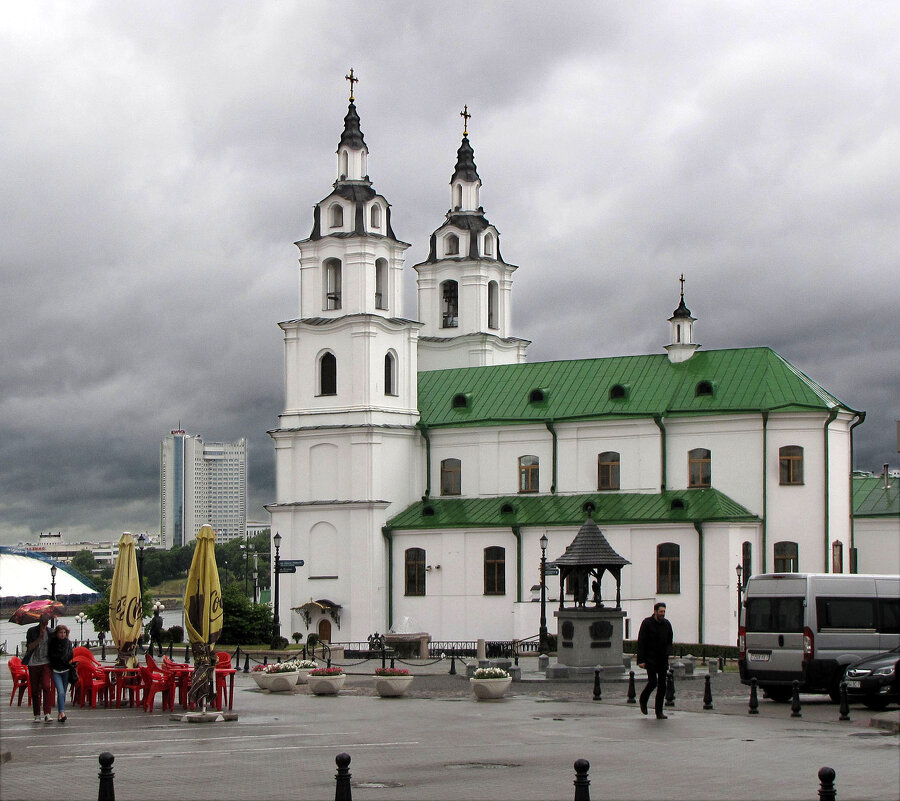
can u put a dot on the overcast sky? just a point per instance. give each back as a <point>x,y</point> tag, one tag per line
<point>160,158</point>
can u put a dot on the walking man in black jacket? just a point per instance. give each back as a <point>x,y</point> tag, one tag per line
<point>653,648</point>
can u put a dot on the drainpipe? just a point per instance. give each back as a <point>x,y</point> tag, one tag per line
<point>765,488</point>
<point>423,430</point>
<point>517,533</point>
<point>860,417</point>
<point>700,598</point>
<point>831,416</point>
<point>387,533</point>
<point>657,418</point>
<point>552,430</point>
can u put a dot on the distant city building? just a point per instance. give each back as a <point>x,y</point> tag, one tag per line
<point>201,483</point>
<point>254,527</point>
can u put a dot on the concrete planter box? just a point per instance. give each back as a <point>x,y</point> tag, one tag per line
<point>303,674</point>
<point>326,685</point>
<point>490,689</point>
<point>392,686</point>
<point>276,682</point>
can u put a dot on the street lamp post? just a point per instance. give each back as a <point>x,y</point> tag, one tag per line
<point>740,594</point>
<point>255,578</point>
<point>79,619</point>
<point>543,645</point>
<point>276,622</point>
<point>53,582</point>
<point>247,549</point>
<point>141,542</point>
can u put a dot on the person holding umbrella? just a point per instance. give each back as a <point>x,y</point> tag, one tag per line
<point>37,641</point>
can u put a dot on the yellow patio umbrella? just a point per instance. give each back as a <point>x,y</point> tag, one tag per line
<point>126,620</point>
<point>203,615</point>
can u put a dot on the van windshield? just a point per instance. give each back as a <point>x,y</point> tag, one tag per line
<point>780,614</point>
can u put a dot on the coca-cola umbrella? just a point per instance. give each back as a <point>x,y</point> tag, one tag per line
<point>126,620</point>
<point>203,616</point>
<point>32,611</point>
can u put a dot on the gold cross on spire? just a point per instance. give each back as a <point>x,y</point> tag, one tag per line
<point>682,285</point>
<point>352,81</point>
<point>466,117</point>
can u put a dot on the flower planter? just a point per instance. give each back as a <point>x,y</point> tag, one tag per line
<point>276,682</point>
<point>392,686</point>
<point>326,685</point>
<point>490,689</point>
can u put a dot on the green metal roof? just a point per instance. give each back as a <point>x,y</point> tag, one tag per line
<point>871,499</point>
<point>618,508</point>
<point>743,379</point>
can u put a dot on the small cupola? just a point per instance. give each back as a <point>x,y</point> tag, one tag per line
<point>352,150</point>
<point>681,334</point>
<point>465,183</point>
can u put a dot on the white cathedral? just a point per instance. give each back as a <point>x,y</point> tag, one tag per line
<point>419,463</point>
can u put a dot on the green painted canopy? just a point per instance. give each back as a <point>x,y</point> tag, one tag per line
<point>617,508</point>
<point>710,382</point>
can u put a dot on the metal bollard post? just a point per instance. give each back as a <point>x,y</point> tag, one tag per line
<point>170,650</point>
<point>383,657</point>
<point>795,701</point>
<point>753,708</point>
<point>452,664</point>
<point>582,782</point>
<point>826,784</point>
<point>107,791</point>
<point>631,691</point>
<point>187,655</point>
<point>103,651</point>
<point>392,663</point>
<point>845,705</point>
<point>670,688</point>
<point>328,661</point>
<point>597,692</point>
<point>246,662</point>
<point>17,650</point>
<point>707,694</point>
<point>265,659</point>
<point>342,791</point>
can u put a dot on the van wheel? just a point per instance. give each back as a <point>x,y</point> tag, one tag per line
<point>780,695</point>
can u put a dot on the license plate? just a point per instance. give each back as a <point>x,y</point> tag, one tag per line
<point>853,685</point>
<point>753,657</point>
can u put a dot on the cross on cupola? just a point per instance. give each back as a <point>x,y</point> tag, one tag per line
<point>352,81</point>
<point>466,117</point>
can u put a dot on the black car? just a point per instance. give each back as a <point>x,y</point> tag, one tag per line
<point>875,681</point>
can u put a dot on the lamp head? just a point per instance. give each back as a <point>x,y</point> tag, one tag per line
<point>544,542</point>
<point>53,570</point>
<point>277,540</point>
<point>739,570</point>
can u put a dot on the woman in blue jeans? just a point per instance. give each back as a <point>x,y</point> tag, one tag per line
<point>59,653</point>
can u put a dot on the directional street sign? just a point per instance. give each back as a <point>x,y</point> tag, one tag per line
<point>291,562</point>
<point>287,569</point>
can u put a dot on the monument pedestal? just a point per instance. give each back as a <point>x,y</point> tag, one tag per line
<point>588,638</point>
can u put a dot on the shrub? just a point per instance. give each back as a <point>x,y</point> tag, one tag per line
<point>332,671</point>
<point>391,672</point>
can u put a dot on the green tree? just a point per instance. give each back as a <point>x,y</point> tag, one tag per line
<point>244,622</point>
<point>84,562</point>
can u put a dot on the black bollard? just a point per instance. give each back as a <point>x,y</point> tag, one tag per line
<point>597,692</point>
<point>452,664</point>
<point>795,701</point>
<point>826,784</point>
<point>237,656</point>
<point>707,694</point>
<point>187,655</point>
<point>328,661</point>
<point>265,659</point>
<point>753,708</point>
<point>171,646</point>
<point>342,791</point>
<point>670,688</point>
<point>582,782</point>
<point>383,657</point>
<point>845,705</point>
<point>392,663</point>
<point>17,650</point>
<point>107,791</point>
<point>246,662</point>
<point>631,692</point>
<point>103,651</point>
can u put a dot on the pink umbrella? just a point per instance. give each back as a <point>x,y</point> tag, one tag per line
<point>31,612</point>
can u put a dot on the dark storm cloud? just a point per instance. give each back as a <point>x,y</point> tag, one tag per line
<point>161,159</point>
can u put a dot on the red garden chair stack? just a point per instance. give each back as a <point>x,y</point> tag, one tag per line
<point>20,679</point>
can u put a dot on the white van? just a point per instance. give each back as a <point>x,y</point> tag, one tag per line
<point>809,626</point>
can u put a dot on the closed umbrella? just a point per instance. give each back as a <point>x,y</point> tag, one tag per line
<point>126,619</point>
<point>203,615</point>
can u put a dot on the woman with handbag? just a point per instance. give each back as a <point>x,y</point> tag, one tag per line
<point>59,652</point>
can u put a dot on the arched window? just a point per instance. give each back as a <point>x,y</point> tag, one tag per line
<point>787,557</point>
<point>617,392</point>
<point>608,471</point>
<point>390,374</point>
<point>449,304</point>
<point>495,571</point>
<point>457,197</point>
<point>415,571</point>
<point>529,476</point>
<point>332,284</point>
<point>703,388</point>
<point>790,464</point>
<point>375,216</point>
<point>328,374</point>
<point>493,296</point>
<point>746,562</point>
<point>488,244</point>
<point>699,467</point>
<point>345,164</point>
<point>451,477</point>
<point>337,215</point>
<point>451,245</point>
<point>381,281</point>
<point>668,568</point>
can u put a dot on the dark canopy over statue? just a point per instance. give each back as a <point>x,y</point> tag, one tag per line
<point>588,557</point>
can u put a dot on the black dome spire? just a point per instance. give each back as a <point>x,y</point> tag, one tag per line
<point>465,163</point>
<point>352,135</point>
<point>682,310</point>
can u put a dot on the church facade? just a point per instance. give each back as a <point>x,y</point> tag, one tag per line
<point>420,462</point>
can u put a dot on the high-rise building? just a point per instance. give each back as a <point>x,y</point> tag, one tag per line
<point>201,483</point>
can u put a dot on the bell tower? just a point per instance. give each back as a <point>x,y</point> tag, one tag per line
<point>681,334</point>
<point>465,286</point>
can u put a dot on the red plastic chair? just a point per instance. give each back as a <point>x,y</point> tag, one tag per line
<point>223,665</point>
<point>86,653</point>
<point>21,682</point>
<point>154,682</point>
<point>92,682</point>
